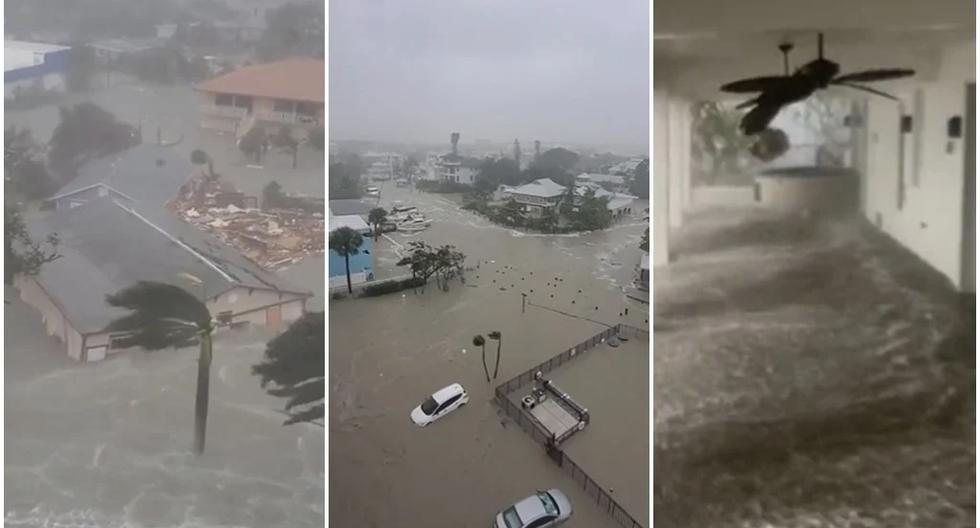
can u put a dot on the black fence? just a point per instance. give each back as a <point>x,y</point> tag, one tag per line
<point>544,437</point>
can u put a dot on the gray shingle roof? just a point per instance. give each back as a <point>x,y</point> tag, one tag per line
<point>543,187</point>
<point>106,246</point>
<point>137,173</point>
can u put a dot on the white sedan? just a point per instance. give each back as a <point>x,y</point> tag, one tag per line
<point>543,509</point>
<point>441,403</point>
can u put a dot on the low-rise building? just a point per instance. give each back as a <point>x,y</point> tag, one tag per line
<point>361,264</point>
<point>287,93</point>
<point>107,245</point>
<point>537,196</point>
<point>30,67</point>
<point>615,182</point>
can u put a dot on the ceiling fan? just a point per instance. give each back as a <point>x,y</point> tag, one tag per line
<point>779,91</point>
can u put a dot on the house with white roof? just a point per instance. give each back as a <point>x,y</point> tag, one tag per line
<point>362,264</point>
<point>537,196</point>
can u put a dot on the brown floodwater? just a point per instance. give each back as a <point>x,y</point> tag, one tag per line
<point>387,353</point>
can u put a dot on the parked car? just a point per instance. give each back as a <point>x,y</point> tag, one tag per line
<point>441,403</point>
<point>543,509</point>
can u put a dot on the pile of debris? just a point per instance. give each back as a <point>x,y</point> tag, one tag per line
<point>272,238</point>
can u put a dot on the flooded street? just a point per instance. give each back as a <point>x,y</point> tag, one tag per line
<point>388,353</point>
<point>107,445</point>
<point>808,373</point>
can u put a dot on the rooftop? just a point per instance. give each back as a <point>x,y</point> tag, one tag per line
<point>354,222</point>
<point>151,174</point>
<point>111,246</point>
<point>543,187</point>
<point>349,207</point>
<point>20,54</point>
<point>293,79</point>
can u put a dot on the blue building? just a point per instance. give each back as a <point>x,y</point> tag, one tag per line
<point>33,67</point>
<point>362,264</point>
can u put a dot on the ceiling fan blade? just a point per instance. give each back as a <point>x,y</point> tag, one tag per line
<point>754,84</point>
<point>758,119</point>
<point>746,104</point>
<point>866,89</point>
<point>874,75</point>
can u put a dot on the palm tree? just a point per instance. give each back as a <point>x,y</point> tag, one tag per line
<point>482,343</point>
<point>496,336</point>
<point>294,363</point>
<point>161,316</point>
<point>376,217</point>
<point>346,242</point>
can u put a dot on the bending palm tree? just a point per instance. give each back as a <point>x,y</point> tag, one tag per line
<point>161,316</point>
<point>482,343</point>
<point>346,242</point>
<point>498,338</point>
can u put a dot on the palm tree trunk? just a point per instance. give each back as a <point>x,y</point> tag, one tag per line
<point>486,371</point>
<point>496,367</point>
<point>350,289</point>
<point>203,388</point>
<point>295,153</point>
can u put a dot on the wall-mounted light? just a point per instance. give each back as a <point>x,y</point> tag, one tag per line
<point>954,127</point>
<point>906,124</point>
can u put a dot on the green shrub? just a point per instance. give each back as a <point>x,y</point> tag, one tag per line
<point>385,287</point>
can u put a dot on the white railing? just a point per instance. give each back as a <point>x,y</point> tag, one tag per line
<point>224,111</point>
<point>285,117</point>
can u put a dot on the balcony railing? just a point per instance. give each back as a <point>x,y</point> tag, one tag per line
<point>223,111</point>
<point>285,117</point>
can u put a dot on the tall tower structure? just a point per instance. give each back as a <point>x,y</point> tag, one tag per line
<point>517,153</point>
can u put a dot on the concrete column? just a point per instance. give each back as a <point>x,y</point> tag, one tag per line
<point>675,156</point>
<point>661,178</point>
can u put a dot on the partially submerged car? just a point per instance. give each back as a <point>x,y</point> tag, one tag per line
<point>543,509</point>
<point>441,403</point>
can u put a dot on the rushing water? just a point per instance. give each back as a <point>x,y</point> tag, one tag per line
<point>388,352</point>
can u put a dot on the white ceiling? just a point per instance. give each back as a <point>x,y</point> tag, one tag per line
<point>700,44</point>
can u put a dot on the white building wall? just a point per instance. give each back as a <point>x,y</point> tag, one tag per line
<point>930,221</point>
<point>660,248</point>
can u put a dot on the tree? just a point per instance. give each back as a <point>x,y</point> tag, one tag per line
<point>293,29</point>
<point>640,185</point>
<point>284,139</point>
<point>645,241</point>
<point>346,242</point>
<point>494,173</point>
<point>22,255</point>
<point>557,158</point>
<point>511,213</point>
<point>253,143</point>
<point>719,147</point>
<point>823,116</point>
<point>316,138</point>
<point>592,213</point>
<point>85,132</point>
<point>272,196</point>
<point>294,364</point>
<point>445,263</point>
<point>377,217</point>
<point>23,164</point>
<point>496,336</point>
<point>482,343</point>
<point>166,316</point>
<point>344,178</point>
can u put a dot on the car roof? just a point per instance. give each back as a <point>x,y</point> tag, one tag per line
<point>447,392</point>
<point>530,508</point>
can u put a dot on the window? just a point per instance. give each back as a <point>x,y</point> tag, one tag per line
<point>243,101</point>
<point>541,522</point>
<point>224,100</point>
<point>429,406</point>
<point>283,105</point>
<point>307,109</point>
<point>549,503</point>
<point>511,519</point>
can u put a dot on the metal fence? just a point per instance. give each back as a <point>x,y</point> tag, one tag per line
<point>547,439</point>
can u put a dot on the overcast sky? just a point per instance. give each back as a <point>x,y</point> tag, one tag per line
<point>571,71</point>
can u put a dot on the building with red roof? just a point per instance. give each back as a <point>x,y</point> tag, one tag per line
<point>287,93</point>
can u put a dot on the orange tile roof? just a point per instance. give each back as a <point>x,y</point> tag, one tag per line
<point>295,79</point>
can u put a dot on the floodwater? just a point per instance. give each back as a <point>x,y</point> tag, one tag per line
<point>387,353</point>
<point>107,445</point>
<point>808,372</point>
<point>174,111</point>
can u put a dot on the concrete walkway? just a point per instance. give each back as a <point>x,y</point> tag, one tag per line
<point>809,373</point>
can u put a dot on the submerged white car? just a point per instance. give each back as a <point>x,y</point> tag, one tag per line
<point>544,508</point>
<point>443,402</point>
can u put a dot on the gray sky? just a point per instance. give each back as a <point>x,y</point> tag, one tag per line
<point>571,71</point>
